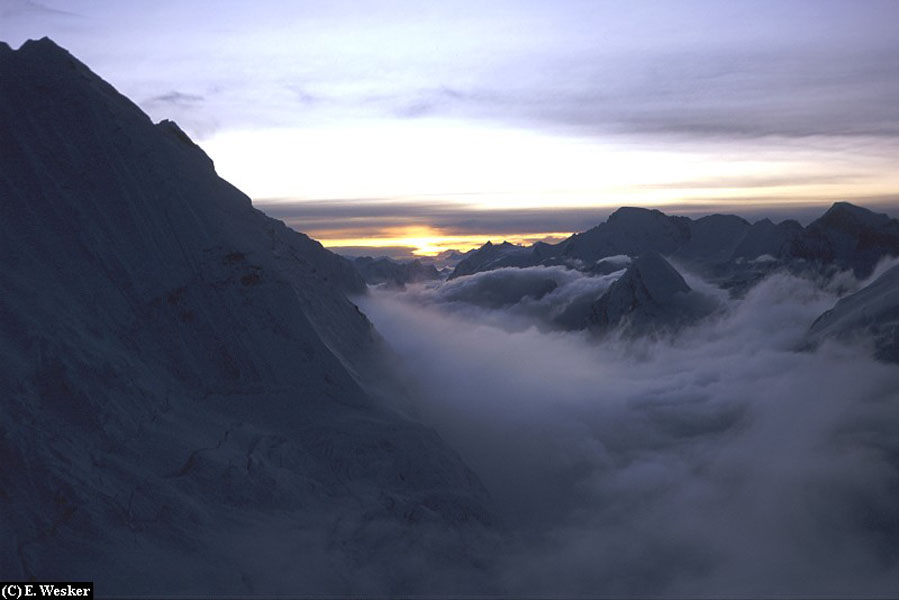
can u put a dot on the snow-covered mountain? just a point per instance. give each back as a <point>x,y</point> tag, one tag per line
<point>870,315</point>
<point>183,405</point>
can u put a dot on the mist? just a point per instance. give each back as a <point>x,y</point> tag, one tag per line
<point>723,461</point>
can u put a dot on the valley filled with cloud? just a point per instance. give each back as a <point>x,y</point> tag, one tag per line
<point>729,455</point>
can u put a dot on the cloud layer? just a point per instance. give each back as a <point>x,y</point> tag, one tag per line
<point>722,462</point>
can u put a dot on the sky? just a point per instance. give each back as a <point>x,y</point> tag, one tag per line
<point>419,126</point>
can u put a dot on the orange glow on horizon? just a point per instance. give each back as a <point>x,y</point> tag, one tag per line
<point>427,241</point>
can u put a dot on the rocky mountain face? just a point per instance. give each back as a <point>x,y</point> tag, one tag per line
<point>650,296</point>
<point>183,377</point>
<point>848,236</point>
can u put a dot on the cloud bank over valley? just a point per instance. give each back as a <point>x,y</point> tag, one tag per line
<point>722,457</point>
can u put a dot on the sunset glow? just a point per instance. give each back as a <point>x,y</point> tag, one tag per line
<point>429,124</point>
<point>429,242</point>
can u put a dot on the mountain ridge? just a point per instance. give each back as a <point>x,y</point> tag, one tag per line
<point>185,377</point>
<point>846,236</point>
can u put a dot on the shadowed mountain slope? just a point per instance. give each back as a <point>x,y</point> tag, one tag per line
<point>870,314</point>
<point>650,296</point>
<point>181,408</point>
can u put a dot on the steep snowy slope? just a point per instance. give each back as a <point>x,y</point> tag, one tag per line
<point>180,409</point>
<point>871,313</point>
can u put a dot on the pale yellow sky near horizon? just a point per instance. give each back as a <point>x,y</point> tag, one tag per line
<point>484,169</point>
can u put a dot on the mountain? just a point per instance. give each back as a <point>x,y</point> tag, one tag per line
<point>871,313</point>
<point>631,231</point>
<point>490,256</point>
<point>394,273</point>
<point>766,239</point>
<point>650,296</point>
<point>448,259</point>
<point>727,248</point>
<point>184,407</point>
<point>848,236</point>
<point>713,238</point>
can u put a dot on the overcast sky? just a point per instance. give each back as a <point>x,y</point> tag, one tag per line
<point>480,109</point>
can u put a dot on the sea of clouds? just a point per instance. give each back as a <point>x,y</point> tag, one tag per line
<point>727,460</point>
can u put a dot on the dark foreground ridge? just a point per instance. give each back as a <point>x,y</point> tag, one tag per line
<point>183,409</point>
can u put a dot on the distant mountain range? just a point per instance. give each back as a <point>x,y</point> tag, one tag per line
<point>845,237</point>
<point>384,270</point>
<point>651,295</point>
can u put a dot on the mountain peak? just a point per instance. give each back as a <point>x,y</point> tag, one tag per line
<point>843,205</point>
<point>844,214</point>
<point>659,276</point>
<point>846,207</point>
<point>44,48</point>
<point>44,42</point>
<point>635,212</point>
<point>645,297</point>
<point>849,235</point>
